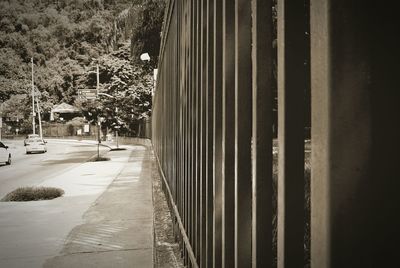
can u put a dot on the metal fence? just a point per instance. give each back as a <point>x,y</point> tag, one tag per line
<point>213,119</point>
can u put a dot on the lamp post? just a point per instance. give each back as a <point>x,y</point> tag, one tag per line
<point>116,127</point>
<point>33,102</point>
<point>97,78</point>
<point>99,119</point>
<point>116,135</point>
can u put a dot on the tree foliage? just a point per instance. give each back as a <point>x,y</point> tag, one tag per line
<point>66,39</point>
<point>145,20</point>
<point>129,87</point>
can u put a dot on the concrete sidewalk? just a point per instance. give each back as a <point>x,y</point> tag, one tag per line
<point>117,230</point>
<point>108,144</point>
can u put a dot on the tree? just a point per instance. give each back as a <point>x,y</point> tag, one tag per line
<point>129,84</point>
<point>18,110</point>
<point>67,39</point>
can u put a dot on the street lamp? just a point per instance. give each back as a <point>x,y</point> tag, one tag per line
<point>145,57</point>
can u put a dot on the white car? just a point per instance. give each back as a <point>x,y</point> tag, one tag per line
<point>31,136</point>
<point>5,155</point>
<point>35,145</point>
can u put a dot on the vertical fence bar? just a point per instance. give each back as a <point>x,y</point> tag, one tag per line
<point>384,113</point>
<point>262,133</point>
<point>200,130</point>
<point>188,84</point>
<point>243,133</point>
<point>174,166</point>
<point>187,76</point>
<point>195,106</point>
<point>203,136</point>
<point>292,82</point>
<point>190,119</point>
<point>183,108</point>
<point>182,105</point>
<point>195,128</point>
<point>179,103</point>
<point>355,140</point>
<point>187,124</point>
<point>228,133</point>
<point>191,116</point>
<point>209,171</point>
<point>217,136</point>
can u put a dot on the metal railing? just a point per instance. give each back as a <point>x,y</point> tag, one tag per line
<point>212,131</point>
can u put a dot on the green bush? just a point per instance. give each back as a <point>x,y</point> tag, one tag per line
<point>101,159</point>
<point>33,194</point>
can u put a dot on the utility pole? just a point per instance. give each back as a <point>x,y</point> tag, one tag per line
<point>97,88</point>
<point>98,137</point>
<point>40,120</point>
<point>116,131</point>
<point>33,101</point>
<point>98,79</point>
<point>116,134</point>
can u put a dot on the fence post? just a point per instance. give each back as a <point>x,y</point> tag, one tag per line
<point>293,81</point>
<point>228,133</point>
<point>209,197</point>
<point>217,135</point>
<point>355,140</point>
<point>262,183</point>
<point>243,133</point>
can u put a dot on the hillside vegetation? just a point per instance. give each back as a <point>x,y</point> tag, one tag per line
<point>66,39</point>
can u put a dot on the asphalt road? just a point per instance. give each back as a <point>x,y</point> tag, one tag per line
<point>33,169</point>
<point>33,232</point>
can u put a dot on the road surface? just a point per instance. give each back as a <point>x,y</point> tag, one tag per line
<point>33,169</point>
<point>32,232</point>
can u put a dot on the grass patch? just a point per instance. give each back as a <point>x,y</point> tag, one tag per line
<point>118,149</point>
<point>97,159</point>
<point>33,194</point>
